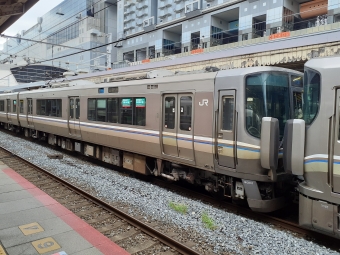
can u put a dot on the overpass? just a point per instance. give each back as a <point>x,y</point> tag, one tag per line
<point>12,10</point>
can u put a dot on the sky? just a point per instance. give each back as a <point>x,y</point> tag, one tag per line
<point>29,19</point>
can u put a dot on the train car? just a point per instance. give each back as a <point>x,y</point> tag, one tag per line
<point>204,128</point>
<point>9,108</point>
<point>312,148</point>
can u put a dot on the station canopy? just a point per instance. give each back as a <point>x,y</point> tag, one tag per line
<point>12,10</point>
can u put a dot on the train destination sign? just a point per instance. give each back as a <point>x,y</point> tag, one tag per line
<point>140,102</point>
<point>126,102</point>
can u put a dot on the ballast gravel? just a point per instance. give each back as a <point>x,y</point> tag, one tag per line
<point>234,234</point>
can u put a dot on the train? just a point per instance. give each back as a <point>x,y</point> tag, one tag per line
<point>312,147</point>
<point>203,128</point>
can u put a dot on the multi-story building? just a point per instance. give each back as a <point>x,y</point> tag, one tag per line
<point>149,29</point>
<point>178,26</point>
<point>70,27</point>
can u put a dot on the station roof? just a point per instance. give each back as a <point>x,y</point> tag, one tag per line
<point>12,10</point>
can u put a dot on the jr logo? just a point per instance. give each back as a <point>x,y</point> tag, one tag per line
<point>204,102</point>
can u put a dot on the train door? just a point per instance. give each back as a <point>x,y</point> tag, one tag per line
<point>226,144</point>
<point>177,133</point>
<point>8,110</point>
<point>74,114</point>
<point>30,113</point>
<point>336,150</point>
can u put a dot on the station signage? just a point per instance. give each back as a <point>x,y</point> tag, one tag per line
<point>279,35</point>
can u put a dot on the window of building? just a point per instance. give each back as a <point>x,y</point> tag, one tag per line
<point>49,107</point>
<point>130,111</point>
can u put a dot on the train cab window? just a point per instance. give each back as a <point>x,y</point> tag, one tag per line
<point>296,81</point>
<point>101,110</point>
<point>170,111</point>
<point>21,106</point>
<point>2,105</point>
<point>311,95</point>
<point>14,106</point>
<point>126,109</point>
<point>267,95</point>
<point>297,104</point>
<point>228,113</point>
<point>186,113</point>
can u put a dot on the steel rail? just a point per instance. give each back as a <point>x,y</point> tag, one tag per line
<point>179,247</point>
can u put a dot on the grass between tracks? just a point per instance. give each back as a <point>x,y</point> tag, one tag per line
<point>181,208</point>
<point>208,221</point>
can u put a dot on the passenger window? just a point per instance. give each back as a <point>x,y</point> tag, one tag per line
<point>91,113</point>
<point>21,107</point>
<point>101,110</point>
<point>169,112</point>
<point>228,113</point>
<point>2,105</point>
<point>140,111</point>
<point>112,110</point>
<point>126,111</point>
<point>14,105</point>
<point>186,112</point>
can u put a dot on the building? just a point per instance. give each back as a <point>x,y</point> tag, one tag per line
<point>178,26</point>
<point>145,31</point>
<point>70,27</point>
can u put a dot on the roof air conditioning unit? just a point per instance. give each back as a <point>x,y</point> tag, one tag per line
<point>187,9</point>
<point>146,23</point>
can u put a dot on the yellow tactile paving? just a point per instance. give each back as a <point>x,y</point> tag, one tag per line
<point>2,251</point>
<point>30,229</point>
<point>45,245</point>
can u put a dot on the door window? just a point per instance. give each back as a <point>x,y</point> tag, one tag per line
<point>227,113</point>
<point>297,104</point>
<point>71,108</point>
<point>30,106</point>
<point>21,110</point>
<point>77,108</point>
<point>186,112</point>
<point>170,112</point>
<point>14,106</point>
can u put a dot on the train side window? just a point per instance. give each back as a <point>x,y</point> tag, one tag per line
<point>112,110</point>
<point>2,105</point>
<point>91,112</point>
<point>228,113</point>
<point>140,111</point>
<point>21,106</point>
<point>57,109</point>
<point>186,112</point>
<point>41,107</point>
<point>126,111</point>
<point>169,112</point>
<point>101,110</point>
<point>14,106</point>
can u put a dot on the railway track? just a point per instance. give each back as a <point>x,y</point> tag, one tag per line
<point>131,233</point>
<point>115,222</point>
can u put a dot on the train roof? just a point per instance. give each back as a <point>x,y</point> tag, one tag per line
<point>324,63</point>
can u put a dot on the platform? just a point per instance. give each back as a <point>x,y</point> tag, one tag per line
<point>33,223</point>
